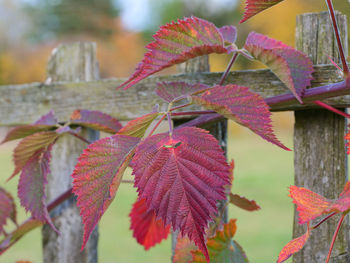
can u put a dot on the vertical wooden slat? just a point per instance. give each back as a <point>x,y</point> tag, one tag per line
<point>74,62</point>
<point>320,159</point>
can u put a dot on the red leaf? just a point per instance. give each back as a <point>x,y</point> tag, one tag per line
<point>347,138</point>
<point>169,91</point>
<point>243,106</point>
<point>97,176</point>
<point>181,177</point>
<point>147,230</point>
<point>342,204</point>
<point>96,120</point>
<point>178,42</point>
<point>29,146</point>
<point>254,7</point>
<point>138,126</point>
<point>244,203</point>
<point>293,247</point>
<point>232,167</point>
<point>47,119</point>
<point>222,248</point>
<point>7,209</point>
<point>309,204</point>
<point>183,249</point>
<point>31,185</point>
<point>291,66</point>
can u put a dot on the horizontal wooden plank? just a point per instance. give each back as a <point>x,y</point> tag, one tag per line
<point>23,104</point>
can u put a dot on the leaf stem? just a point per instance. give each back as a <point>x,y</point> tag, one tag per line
<point>330,108</point>
<point>186,113</point>
<point>128,181</point>
<point>335,236</point>
<point>323,220</point>
<point>170,123</point>
<point>180,107</point>
<point>337,35</point>
<point>80,137</point>
<point>156,126</point>
<point>233,59</point>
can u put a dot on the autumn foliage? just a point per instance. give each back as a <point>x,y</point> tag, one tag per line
<point>180,175</point>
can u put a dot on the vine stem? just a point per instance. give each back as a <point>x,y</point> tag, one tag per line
<point>180,107</point>
<point>229,66</point>
<point>335,237</point>
<point>156,126</point>
<point>337,35</point>
<point>324,220</point>
<point>80,137</point>
<point>186,113</point>
<point>170,123</point>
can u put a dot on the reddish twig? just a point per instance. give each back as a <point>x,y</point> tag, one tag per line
<point>335,237</point>
<point>187,113</point>
<point>330,108</point>
<point>229,66</point>
<point>80,137</point>
<point>323,220</point>
<point>337,36</point>
<point>156,126</point>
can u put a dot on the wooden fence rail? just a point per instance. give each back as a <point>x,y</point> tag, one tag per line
<point>320,159</point>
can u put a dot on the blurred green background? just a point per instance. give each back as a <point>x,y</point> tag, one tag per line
<point>30,29</point>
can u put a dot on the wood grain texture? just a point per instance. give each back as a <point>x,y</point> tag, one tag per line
<point>75,62</point>
<point>320,160</point>
<point>24,104</point>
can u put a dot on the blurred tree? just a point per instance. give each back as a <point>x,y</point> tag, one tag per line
<point>56,18</point>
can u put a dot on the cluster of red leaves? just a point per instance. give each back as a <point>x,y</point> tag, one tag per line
<point>180,175</point>
<point>32,155</point>
<point>310,206</point>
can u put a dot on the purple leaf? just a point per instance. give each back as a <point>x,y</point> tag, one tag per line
<point>48,119</point>
<point>169,91</point>
<point>7,209</point>
<point>243,106</point>
<point>181,177</point>
<point>95,120</point>
<point>291,66</point>
<point>31,186</point>
<point>97,176</point>
<point>45,123</point>
<point>29,146</point>
<point>254,7</point>
<point>229,34</point>
<point>178,42</point>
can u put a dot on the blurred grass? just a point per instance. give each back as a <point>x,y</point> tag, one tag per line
<point>263,172</point>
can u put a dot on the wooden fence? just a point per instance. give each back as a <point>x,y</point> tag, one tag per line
<point>73,82</point>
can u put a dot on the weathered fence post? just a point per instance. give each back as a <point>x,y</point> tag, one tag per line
<point>320,158</point>
<point>74,62</point>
